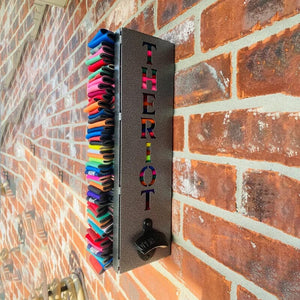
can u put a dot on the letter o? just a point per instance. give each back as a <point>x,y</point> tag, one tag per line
<point>142,174</point>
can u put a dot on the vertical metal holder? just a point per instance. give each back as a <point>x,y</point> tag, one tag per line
<point>144,76</point>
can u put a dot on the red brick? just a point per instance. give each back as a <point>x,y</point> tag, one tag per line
<point>68,33</point>
<point>81,55</point>
<point>273,199</point>
<point>196,275</point>
<point>247,134</point>
<point>198,179</point>
<point>158,285</point>
<point>243,294</point>
<point>175,216</point>
<point>169,10</point>
<point>120,14</point>
<point>131,289</point>
<point>74,78</point>
<point>80,13</point>
<point>81,94</point>
<point>173,262</point>
<point>102,7</point>
<point>245,252</point>
<point>178,133</point>
<point>60,105</point>
<point>112,287</point>
<point>71,7</point>
<point>65,117</point>
<point>65,148</point>
<point>144,21</point>
<point>183,37</point>
<point>100,292</point>
<point>228,20</point>
<point>207,81</point>
<point>271,66</point>
<point>79,133</point>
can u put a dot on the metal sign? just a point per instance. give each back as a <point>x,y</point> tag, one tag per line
<point>144,76</point>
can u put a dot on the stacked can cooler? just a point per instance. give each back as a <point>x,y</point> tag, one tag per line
<point>99,168</point>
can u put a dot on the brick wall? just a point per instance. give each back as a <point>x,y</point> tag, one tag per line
<point>236,205</point>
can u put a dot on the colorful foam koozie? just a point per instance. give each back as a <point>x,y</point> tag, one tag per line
<point>100,130</point>
<point>96,264</point>
<point>103,35</point>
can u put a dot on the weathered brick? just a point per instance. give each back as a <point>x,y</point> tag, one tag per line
<point>59,106</point>
<point>65,117</point>
<point>196,275</point>
<point>65,148</point>
<point>277,271</point>
<point>228,20</point>
<point>247,134</point>
<point>81,94</point>
<point>178,133</point>
<point>80,13</point>
<point>244,294</point>
<point>273,199</point>
<point>158,285</point>
<point>75,41</point>
<point>207,81</point>
<point>183,37</point>
<point>168,10</point>
<point>80,55</point>
<point>71,7</point>
<point>102,7</point>
<point>23,11</point>
<point>79,133</point>
<point>68,33</point>
<point>73,80</point>
<point>198,179</point>
<point>271,66</point>
<point>120,14</point>
<point>144,21</point>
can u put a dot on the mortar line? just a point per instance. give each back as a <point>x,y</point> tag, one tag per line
<point>56,152</point>
<point>181,218</point>
<point>11,156</point>
<point>239,189</point>
<point>233,291</point>
<point>140,9</point>
<point>20,24</point>
<point>75,69</point>
<point>246,41</point>
<point>242,221</point>
<point>53,174</point>
<point>68,141</point>
<point>234,74</point>
<point>155,7</point>
<point>24,40</point>
<point>197,34</point>
<point>225,271</point>
<point>186,133</point>
<point>262,103</point>
<point>143,288</point>
<point>173,280</point>
<point>290,171</point>
<point>199,8</point>
<point>11,171</point>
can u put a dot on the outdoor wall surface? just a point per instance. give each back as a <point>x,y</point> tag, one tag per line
<point>236,189</point>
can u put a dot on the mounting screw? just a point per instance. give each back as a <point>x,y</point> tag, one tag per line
<point>32,148</point>
<point>61,175</point>
<point>5,174</point>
